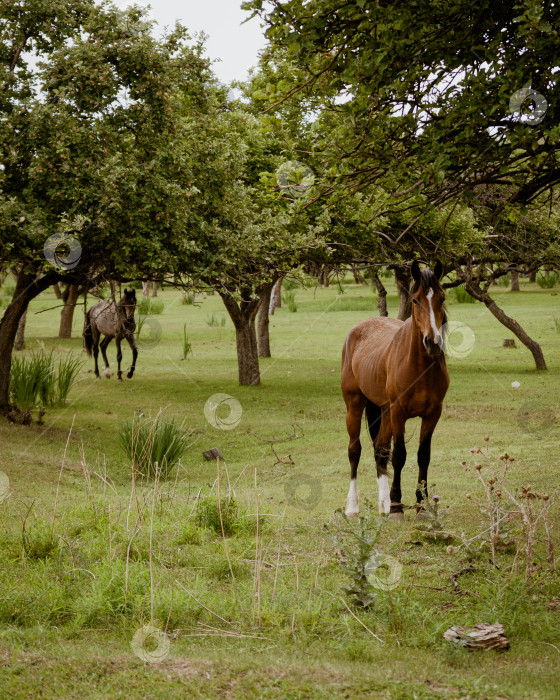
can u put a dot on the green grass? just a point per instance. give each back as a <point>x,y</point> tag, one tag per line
<point>547,281</point>
<point>150,307</point>
<point>462,296</point>
<point>153,447</point>
<point>260,613</point>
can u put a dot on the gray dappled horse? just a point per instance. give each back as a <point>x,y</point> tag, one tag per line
<point>113,321</point>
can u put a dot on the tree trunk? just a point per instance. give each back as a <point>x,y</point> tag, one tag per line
<point>533,276</point>
<point>263,323</point>
<point>20,335</point>
<point>243,315</point>
<point>474,289</point>
<point>154,289</point>
<point>514,281</point>
<point>145,289</point>
<point>57,292</point>
<point>27,288</point>
<point>323,278</point>
<point>276,297</point>
<point>382,293</point>
<point>358,277</point>
<point>402,278</point>
<point>70,296</point>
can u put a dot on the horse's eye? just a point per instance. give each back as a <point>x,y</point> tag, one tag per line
<point>415,301</point>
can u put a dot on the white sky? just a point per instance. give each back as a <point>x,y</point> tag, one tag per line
<point>235,44</point>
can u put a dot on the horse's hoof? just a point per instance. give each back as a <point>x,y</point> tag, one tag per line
<point>120,379</point>
<point>396,516</point>
<point>129,375</point>
<point>421,515</point>
<point>108,373</point>
<point>98,376</point>
<point>351,513</point>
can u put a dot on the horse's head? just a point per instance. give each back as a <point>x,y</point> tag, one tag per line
<point>428,311</point>
<point>129,302</point>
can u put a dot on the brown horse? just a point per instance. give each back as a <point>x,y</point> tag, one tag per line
<point>396,370</point>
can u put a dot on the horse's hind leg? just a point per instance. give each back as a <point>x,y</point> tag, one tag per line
<point>355,404</point>
<point>382,450</point>
<point>104,344</point>
<point>424,451</point>
<point>398,460</point>
<point>95,348</point>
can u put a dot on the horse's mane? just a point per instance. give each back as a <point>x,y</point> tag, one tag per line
<point>429,281</point>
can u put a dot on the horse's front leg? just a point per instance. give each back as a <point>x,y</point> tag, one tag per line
<point>119,357</point>
<point>398,461</point>
<point>134,349</point>
<point>355,404</point>
<point>429,423</point>
<point>104,344</point>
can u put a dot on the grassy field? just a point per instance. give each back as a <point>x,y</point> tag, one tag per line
<point>86,561</point>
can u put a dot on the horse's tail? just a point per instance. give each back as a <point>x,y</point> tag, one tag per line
<point>88,334</point>
<point>373,417</point>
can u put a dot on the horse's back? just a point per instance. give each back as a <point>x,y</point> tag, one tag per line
<point>363,356</point>
<point>104,315</point>
<point>371,336</point>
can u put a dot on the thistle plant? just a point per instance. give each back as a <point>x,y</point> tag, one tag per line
<point>358,553</point>
<point>434,515</point>
<point>534,509</point>
<point>513,520</point>
<point>499,532</point>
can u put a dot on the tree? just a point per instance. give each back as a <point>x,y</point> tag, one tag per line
<point>245,235</point>
<point>95,176</point>
<point>437,99</point>
<point>69,296</point>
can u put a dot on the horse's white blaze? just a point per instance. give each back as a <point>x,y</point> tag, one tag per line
<point>433,323</point>
<point>384,495</point>
<point>108,372</point>
<point>352,502</point>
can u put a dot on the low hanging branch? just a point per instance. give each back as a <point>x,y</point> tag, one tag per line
<point>474,288</point>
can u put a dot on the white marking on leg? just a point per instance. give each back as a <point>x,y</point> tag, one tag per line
<point>108,372</point>
<point>384,495</point>
<point>352,509</point>
<point>433,323</point>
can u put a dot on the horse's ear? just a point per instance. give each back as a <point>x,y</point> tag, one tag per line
<point>415,272</point>
<point>438,270</point>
